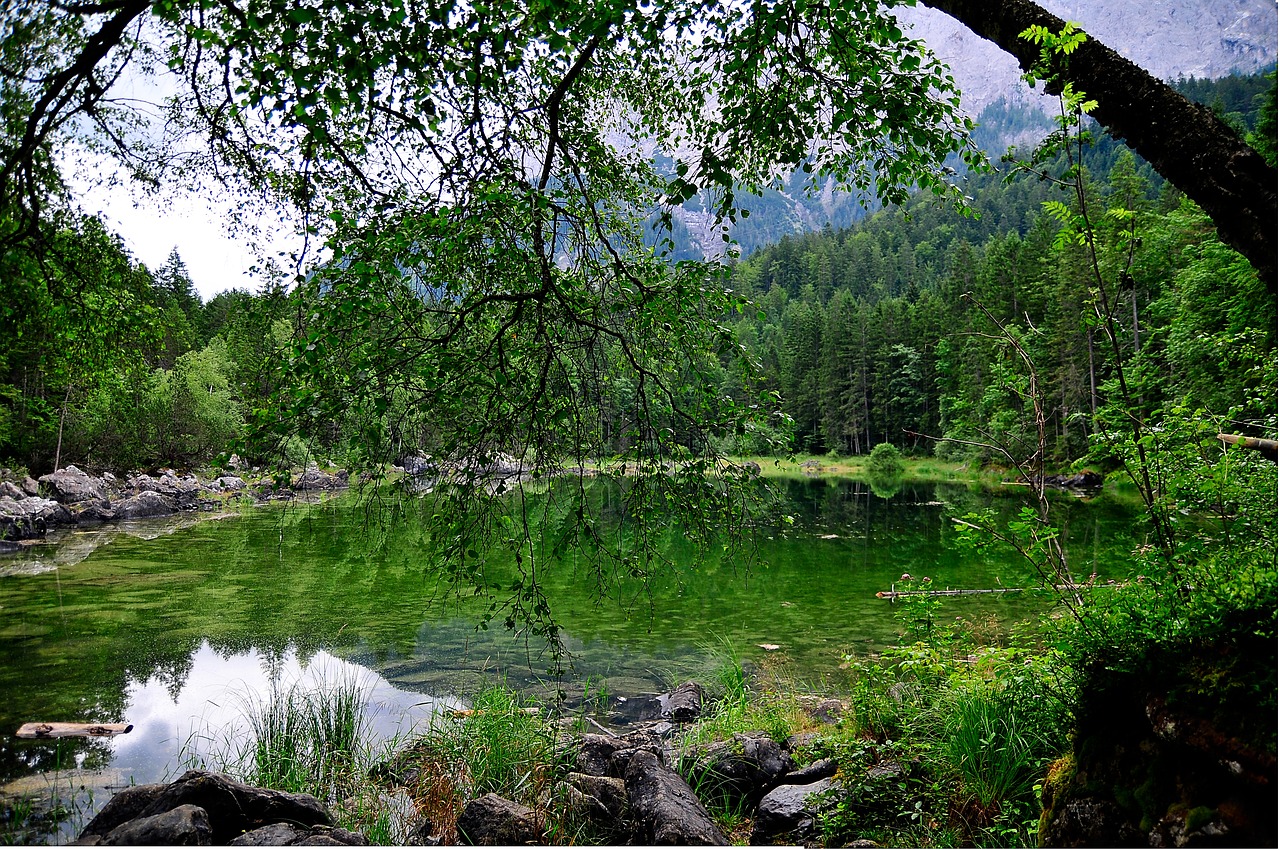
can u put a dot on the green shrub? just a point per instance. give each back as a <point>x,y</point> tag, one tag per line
<point>885,461</point>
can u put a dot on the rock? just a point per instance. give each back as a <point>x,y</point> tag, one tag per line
<point>288,834</point>
<point>668,812</point>
<point>145,505</point>
<point>417,464</point>
<point>751,468</point>
<point>94,514</point>
<point>314,479</point>
<point>30,517</point>
<point>12,490</point>
<point>741,770</point>
<point>30,486</point>
<point>595,751</point>
<point>828,711</point>
<point>184,491</point>
<point>577,807</point>
<point>824,768</point>
<point>1084,480</point>
<point>72,486</point>
<point>120,808</point>
<point>1090,821</point>
<point>231,483</point>
<point>494,821</point>
<point>683,704</point>
<point>235,464</point>
<point>790,809</point>
<point>233,807</point>
<point>185,825</point>
<point>609,793</point>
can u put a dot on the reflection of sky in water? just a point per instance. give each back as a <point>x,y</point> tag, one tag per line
<point>209,710</point>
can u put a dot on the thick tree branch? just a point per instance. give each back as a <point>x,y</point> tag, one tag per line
<point>1185,142</point>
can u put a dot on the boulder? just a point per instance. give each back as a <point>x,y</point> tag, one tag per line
<point>683,704</point>
<point>233,807</point>
<point>790,809</point>
<point>740,770</point>
<point>183,491</point>
<point>94,514</point>
<point>184,825</point>
<point>824,768</point>
<point>145,505</point>
<point>595,752</point>
<point>72,486</point>
<point>231,483</point>
<point>30,486</point>
<point>577,807</point>
<point>12,490</point>
<point>288,834</point>
<point>416,465</point>
<point>119,809</point>
<point>314,479</point>
<point>30,517</point>
<point>667,811</point>
<point>494,821</point>
<point>609,793</point>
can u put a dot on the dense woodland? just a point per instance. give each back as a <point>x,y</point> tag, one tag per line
<point>881,332</point>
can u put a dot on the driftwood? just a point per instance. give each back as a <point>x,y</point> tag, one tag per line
<point>893,593</point>
<point>896,594</point>
<point>1268,448</point>
<point>49,730</point>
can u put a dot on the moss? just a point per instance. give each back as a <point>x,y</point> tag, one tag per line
<point>1197,818</point>
<point>1058,779</point>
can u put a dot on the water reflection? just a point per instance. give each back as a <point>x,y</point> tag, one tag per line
<point>199,718</point>
<point>207,713</point>
<point>174,627</point>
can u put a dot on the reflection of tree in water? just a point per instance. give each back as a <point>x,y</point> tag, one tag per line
<point>885,486</point>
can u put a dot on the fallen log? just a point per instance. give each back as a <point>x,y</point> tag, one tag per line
<point>1266,447</point>
<point>49,730</point>
<point>893,593</point>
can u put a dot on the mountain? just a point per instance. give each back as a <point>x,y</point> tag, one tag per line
<point>1169,38</point>
<point>1172,39</point>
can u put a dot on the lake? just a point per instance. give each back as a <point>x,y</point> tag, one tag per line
<point>175,625</point>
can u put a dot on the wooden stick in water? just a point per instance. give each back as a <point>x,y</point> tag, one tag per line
<point>49,730</point>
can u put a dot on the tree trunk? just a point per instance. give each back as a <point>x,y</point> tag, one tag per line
<point>1185,142</point>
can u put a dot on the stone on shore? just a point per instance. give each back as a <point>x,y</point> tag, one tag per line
<point>232,808</point>
<point>790,809</point>
<point>73,486</point>
<point>145,505</point>
<point>494,821</point>
<point>666,808</point>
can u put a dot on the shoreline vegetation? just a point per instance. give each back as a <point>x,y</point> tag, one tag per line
<point>72,497</point>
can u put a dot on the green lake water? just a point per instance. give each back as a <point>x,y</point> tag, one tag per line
<point>172,625</point>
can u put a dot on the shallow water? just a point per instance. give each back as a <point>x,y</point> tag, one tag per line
<point>173,625</point>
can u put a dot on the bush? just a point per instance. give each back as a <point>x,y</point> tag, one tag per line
<point>886,461</point>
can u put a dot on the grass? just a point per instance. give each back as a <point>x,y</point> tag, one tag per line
<point>926,469</point>
<point>501,745</point>
<point>313,741</point>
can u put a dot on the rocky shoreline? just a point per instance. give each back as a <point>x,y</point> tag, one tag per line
<point>635,788</point>
<point>71,497</point>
